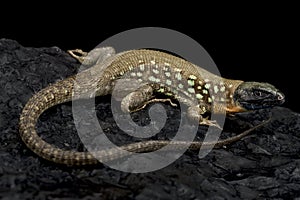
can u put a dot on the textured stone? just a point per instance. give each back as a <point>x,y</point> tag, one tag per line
<point>265,164</point>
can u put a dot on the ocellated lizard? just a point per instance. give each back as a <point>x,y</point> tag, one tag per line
<point>163,73</point>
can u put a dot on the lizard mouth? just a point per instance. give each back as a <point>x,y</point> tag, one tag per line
<point>235,109</point>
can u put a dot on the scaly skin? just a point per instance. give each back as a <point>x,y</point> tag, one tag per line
<point>165,72</point>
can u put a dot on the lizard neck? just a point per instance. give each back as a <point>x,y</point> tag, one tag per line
<point>230,105</point>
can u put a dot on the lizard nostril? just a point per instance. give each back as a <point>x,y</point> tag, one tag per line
<point>280,97</point>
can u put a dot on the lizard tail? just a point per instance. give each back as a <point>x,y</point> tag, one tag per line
<point>41,101</point>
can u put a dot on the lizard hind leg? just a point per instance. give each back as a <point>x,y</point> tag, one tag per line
<point>78,54</point>
<point>137,99</point>
<point>95,56</point>
<point>140,98</point>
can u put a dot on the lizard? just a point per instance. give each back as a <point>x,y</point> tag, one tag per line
<point>164,74</point>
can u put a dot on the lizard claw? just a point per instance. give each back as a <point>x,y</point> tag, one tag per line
<point>78,54</point>
<point>208,122</point>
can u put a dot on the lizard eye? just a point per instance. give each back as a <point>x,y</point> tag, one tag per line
<point>258,93</point>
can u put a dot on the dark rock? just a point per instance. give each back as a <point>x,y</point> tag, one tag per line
<point>263,165</point>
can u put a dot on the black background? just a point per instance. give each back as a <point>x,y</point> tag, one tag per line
<point>248,42</point>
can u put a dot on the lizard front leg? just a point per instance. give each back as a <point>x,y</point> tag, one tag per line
<point>196,113</point>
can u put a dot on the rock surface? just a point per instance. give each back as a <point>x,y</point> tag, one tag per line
<point>264,165</point>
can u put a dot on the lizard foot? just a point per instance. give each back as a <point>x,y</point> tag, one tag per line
<point>78,54</point>
<point>208,122</point>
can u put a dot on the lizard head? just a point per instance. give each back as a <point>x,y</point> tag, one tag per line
<point>255,95</point>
